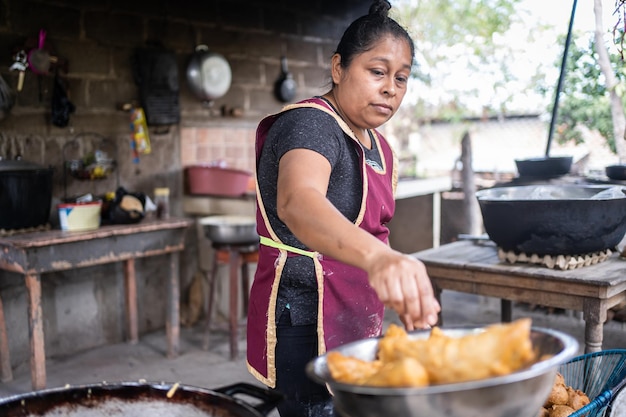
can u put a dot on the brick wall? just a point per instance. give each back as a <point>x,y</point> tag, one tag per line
<point>233,146</point>
<point>97,39</point>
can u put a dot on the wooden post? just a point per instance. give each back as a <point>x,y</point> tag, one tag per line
<point>5,358</point>
<point>130,284</point>
<point>471,209</point>
<point>35,323</point>
<point>172,319</point>
<point>233,302</point>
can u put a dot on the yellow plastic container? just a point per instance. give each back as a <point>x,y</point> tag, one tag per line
<point>80,216</point>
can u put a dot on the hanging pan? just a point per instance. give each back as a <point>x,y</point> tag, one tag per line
<point>285,86</point>
<point>551,166</point>
<point>208,74</point>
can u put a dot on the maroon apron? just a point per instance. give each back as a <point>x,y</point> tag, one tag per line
<point>348,307</point>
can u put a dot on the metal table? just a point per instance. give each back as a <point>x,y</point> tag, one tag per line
<point>474,267</point>
<point>32,254</point>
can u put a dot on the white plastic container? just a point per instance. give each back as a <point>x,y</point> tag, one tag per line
<point>80,216</point>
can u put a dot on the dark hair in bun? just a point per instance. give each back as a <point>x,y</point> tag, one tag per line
<point>365,31</point>
<point>380,7</point>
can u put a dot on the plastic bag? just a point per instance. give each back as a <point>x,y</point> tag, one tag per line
<point>62,107</point>
<point>7,98</point>
<point>126,208</point>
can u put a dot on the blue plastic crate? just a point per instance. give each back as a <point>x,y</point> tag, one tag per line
<point>597,375</point>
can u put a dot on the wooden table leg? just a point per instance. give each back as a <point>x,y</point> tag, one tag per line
<point>172,319</point>
<point>35,323</point>
<point>5,356</point>
<point>130,289</point>
<point>506,310</point>
<point>233,298</point>
<point>594,314</point>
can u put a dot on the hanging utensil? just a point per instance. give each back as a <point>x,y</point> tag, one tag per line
<point>39,58</point>
<point>285,86</point>
<point>20,65</point>
<point>208,74</point>
<point>559,87</point>
<point>551,166</point>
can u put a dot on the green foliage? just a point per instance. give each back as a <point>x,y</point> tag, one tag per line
<point>458,31</point>
<point>584,99</point>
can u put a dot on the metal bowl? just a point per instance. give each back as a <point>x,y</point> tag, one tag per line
<point>230,229</point>
<point>554,219</point>
<point>520,394</point>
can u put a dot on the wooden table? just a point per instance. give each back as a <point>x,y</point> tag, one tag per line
<point>474,267</point>
<point>32,254</point>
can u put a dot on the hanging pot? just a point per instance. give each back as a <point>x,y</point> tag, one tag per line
<point>208,74</point>
<point>285,86</point>
<point>25,194</point>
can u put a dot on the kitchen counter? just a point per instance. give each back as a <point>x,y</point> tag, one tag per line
<point>36,253</point>
<point>418,213</point>
<point>422,186</point>
<point>205,205</point>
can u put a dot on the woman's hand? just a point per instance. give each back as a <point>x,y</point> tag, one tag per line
<point>402,284</point>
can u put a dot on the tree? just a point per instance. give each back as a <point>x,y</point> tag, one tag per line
<point>462,40</point>
<point>592,94</point>
<point>615,95</point>
<point>454,36</point>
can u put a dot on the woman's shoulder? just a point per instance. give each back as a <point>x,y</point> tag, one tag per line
<point>311,117</point>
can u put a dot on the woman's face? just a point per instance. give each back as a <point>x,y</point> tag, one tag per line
<point>370,90</point>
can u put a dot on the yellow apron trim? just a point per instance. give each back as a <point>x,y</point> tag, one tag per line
<point>269,242</point>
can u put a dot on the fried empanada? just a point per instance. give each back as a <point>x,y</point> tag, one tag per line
<point>498,350</point>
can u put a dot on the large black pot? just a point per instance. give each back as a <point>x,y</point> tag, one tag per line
<point>554,220</point>
<point>25,194</point>
<point>142,400</point>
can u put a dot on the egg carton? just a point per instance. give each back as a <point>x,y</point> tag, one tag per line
<point>562,262</point>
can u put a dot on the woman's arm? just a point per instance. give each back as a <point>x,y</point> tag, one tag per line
<point>400,281</point>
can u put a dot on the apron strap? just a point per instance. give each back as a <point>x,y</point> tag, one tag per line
<point>269,242</point>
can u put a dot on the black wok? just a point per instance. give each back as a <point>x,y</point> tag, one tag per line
<point>554,220</point>
<point>547,167</point>
<point>616,172</point>
<point>141,399</point>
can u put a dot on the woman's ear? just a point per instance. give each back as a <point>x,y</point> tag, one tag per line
<point>335,68</point>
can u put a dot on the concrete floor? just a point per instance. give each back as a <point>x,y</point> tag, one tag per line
<point>213,369</point>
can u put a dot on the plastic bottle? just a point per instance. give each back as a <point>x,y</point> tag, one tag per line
<point>162,202</point>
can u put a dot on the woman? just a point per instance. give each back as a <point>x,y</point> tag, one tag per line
<point>325,182</point>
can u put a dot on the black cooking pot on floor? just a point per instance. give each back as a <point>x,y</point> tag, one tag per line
<point>25,194</point>
<point>141,400</point>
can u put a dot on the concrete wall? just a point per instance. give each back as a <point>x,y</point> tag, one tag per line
<point>97,39</point>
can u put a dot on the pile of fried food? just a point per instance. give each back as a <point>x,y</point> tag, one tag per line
<point>563,400</point>
<point>439,359</point>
